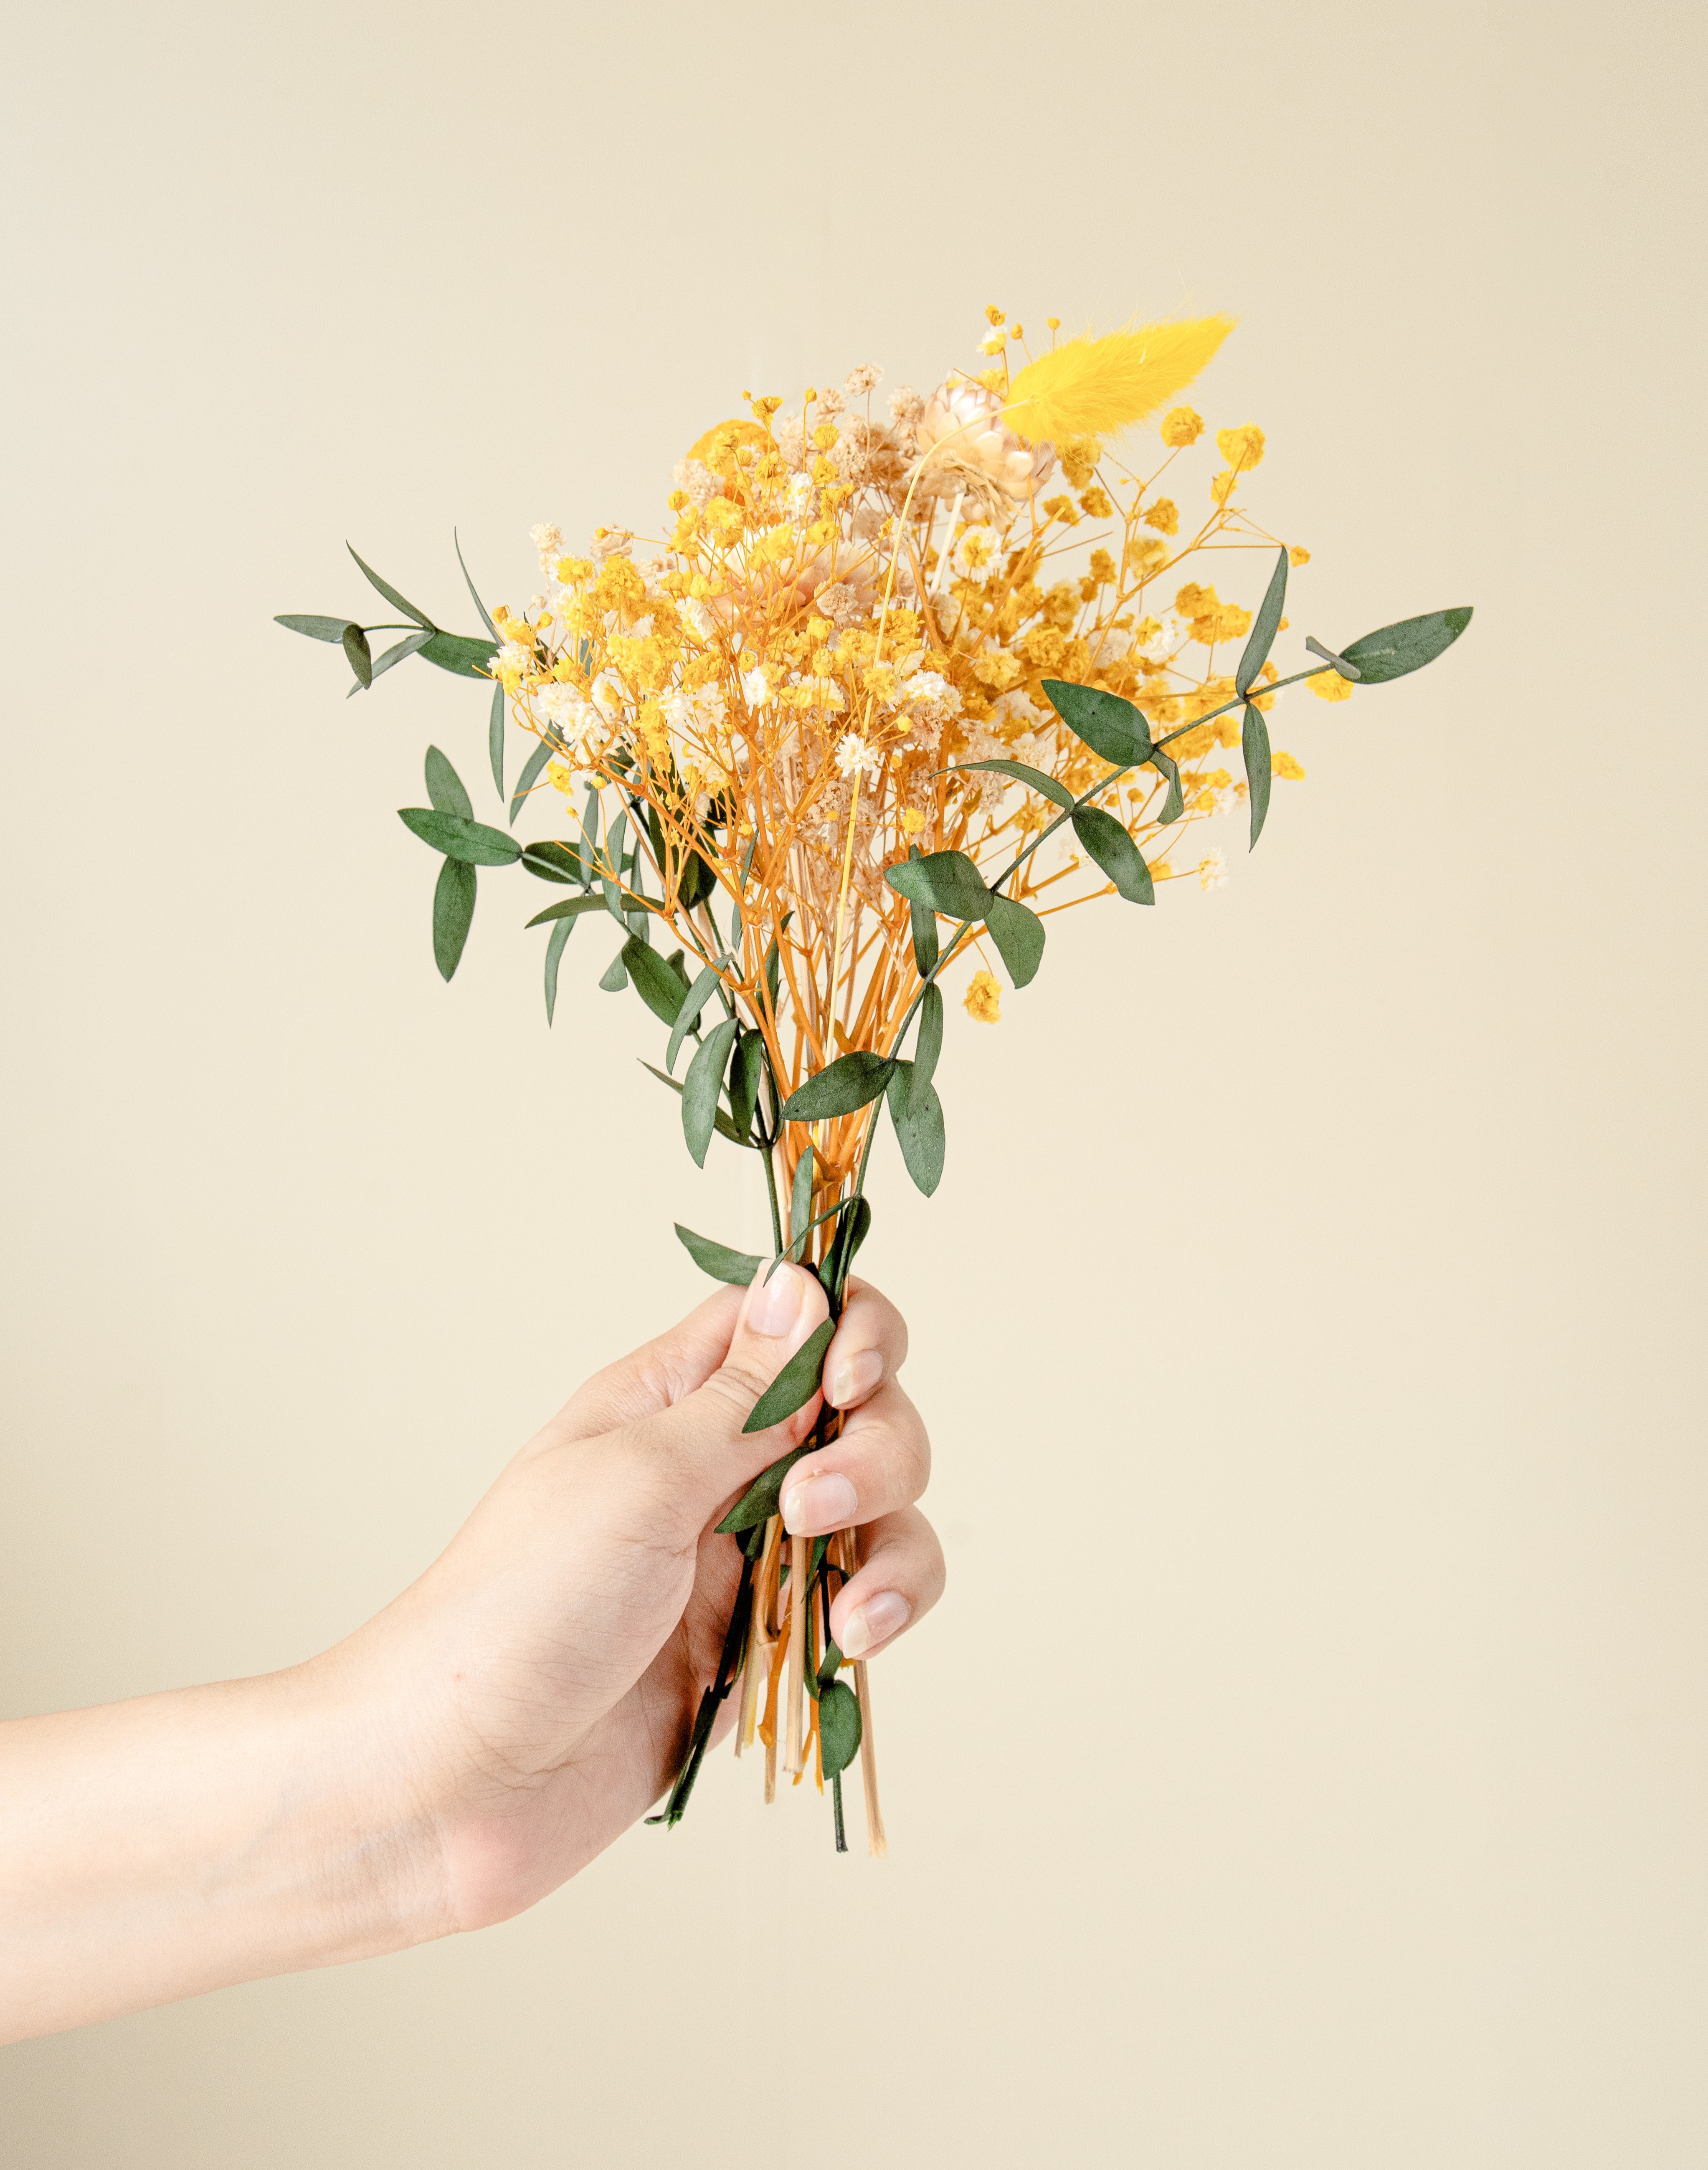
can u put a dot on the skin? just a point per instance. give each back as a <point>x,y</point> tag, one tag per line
<point>494,1727</point>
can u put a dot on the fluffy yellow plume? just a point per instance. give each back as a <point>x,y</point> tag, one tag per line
<point>1096,388</point>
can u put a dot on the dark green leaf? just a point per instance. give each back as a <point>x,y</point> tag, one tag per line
<point>774,968</point>
<point>1261,637</point>
<point>1116,853</point>
<point>851,1082</point>
<point>554,953</point>
<point>859,1229</point>
<point>928,1045</point>
<point>1255,742</point>
<point>460,653</point>
<point>495,737</point>
<point>702,1086</point>
<point>555,862</point>
<point>662,990</point>
<point>838,1726</point>
<point>615,979</point>
<point>360,654</point>
<point>445,787</point>
<point>318,628</point>
<point>1399,649</point>
<point>795,1384</point>
<point>1019,934</point>
<point>688,1016</point>
<point>828,1667</point>
<point>800,1201</point>
<point>530,772</point>
<point>759,1503</point>
<point>1108,725</point>
<point>461,839</point>
<point>717,1259</point>
<point>392,596</point>
<point>917,1112</point>
<point>1175,804</point>
<point>1033,779</point>
<point>745,1073</point>
<point>924,923</point>
<point>570,909</point>
<point>486,619</point>
<point>948,881</point>
<point>413,646</point>
<point>454,909</point>
<point>1344,669</point>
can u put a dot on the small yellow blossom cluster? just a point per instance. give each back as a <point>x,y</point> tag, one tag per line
<point>847,605</point>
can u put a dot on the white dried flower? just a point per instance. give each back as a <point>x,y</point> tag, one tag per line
<point>861,379</point>
<point>696,617</point>
<point>1212,870</point>
<point>1171,634</point>
<point>906,406</point>
<point>852,753</point>
<point>547,538</point>
<point>978,450</point>
<point>830,405</point>
<point>571,716</point>
<point>612,543</point>
<point>840,603</point>
<point>756,688</point>
<point>697,481</point>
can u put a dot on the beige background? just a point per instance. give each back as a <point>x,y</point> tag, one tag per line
<point>1307,1767</point>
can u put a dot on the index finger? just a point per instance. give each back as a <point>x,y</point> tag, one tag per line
<point>870,1345</point>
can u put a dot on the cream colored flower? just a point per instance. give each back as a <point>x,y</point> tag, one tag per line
<point>967,445</point>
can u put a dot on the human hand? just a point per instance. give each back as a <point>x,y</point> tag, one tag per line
<point>540,1679</point>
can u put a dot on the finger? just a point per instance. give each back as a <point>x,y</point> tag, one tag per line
<point>870,1346</point>
<point>659,1373</point>
<point>881,1461</point>
<point>900,1579</point>
<point>700,1439</point>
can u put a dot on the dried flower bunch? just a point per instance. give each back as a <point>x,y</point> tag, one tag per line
<point>947,663</point>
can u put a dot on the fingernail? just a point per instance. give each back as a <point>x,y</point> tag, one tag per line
<point>813,1504</point>
<point>855,1377</point>
<point>874,1622</point>
<point>773,1309</point>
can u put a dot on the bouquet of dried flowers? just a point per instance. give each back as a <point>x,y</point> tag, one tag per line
<point>888,692</point>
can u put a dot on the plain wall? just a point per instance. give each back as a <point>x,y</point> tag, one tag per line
<point>1306,1767</point>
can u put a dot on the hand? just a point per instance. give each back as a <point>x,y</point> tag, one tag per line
<point>551,1662</point>
<point>494,1727</point>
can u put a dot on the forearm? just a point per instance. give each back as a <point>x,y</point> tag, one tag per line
<point>155,1849</point>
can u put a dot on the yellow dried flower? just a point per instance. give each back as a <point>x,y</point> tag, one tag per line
<point>1284,765</point>
<point>912,821</point>
<point>1298,555</point>
<point>1329,686</point>
<point>1164,517</point>
<point>1241,448</point>
<point>983,998</point>
<point>1181,426</point>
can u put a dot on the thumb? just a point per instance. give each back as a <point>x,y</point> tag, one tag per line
<point>702,1434</point>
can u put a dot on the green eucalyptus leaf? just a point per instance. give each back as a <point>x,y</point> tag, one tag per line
<point>460,653</point>
<point>924,927</point>
<point>555,956</point>
<point>1108,725</point>
<point>392,596</point>
<point>459,838</point>
<point>570,909</point>
<point>1019,935</point>
<point>1261,637</point>
<point>613,980</point>
<point>1116,853</point>
<point>759,1503</point>
<point>723,1264</point>
<point>445,787</point>
<point>1176,804</point>
<point>1033,779</point>
<point>486,619</point>
<point>413,646</point>
<point>318,628</point>
<point>852,1082</point>
<point>453,912</point>
<point>530,775</point>
<point>495,736</point>
<point>745,1073</point>
<point>662,990</point>
<point>1397,650</point>
<point>800,1201</point>
<point>795,1384</point>
<point>917,1113</point>
<point>928,1045</point>
<point>556,861</point>
<point>838,1726</point>
<point>1255,744</point>
<point>702,1087</point>
<point>688,1016</point>
<point>360,655</point>
<point>947,881</point>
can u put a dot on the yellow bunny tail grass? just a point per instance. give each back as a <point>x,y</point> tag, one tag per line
<point>1096,388</point>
